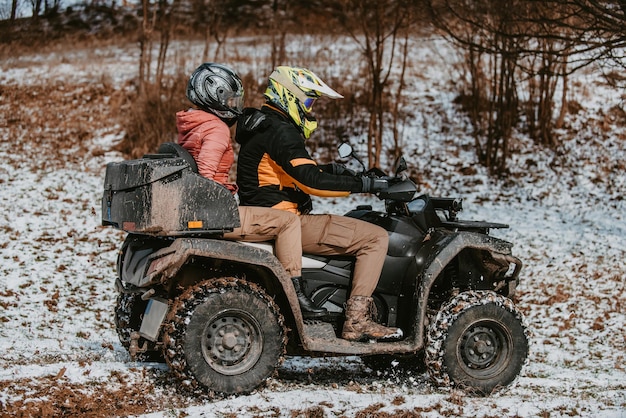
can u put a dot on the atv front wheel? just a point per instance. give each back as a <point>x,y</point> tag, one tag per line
<point>477,342</point>
<point>129,309</point>
<point>224,335</point>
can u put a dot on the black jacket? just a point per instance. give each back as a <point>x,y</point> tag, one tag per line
<point>274,169</point>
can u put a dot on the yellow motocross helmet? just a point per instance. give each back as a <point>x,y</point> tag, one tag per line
<point>294,90</point>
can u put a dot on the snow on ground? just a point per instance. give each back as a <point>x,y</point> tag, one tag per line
<point>58,345</point>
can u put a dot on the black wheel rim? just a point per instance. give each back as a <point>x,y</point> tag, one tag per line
<point>232,342</point>
<point>484,349</point>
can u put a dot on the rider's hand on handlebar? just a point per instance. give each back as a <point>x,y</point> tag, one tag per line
<point>373,185</point>
<point>376,172</point>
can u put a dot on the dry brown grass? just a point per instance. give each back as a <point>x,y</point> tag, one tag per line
<point>54,122</point>
<point>56,397</point>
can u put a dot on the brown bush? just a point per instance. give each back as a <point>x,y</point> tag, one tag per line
<point>150,118</point>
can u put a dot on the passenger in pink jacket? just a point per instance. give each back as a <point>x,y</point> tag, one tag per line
<point>208,140</point>
<point>205,131</point>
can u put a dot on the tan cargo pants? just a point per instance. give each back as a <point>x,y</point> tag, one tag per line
<point>260,224</point>
<point>339,235</point>
<point>319,234</point>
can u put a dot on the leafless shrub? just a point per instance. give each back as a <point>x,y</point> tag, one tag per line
<point>527,48</point>
<point>150,118</point>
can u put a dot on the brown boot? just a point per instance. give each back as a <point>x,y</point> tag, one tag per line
<point>359,324</point>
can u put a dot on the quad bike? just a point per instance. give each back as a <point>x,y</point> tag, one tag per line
<point>223,314</point>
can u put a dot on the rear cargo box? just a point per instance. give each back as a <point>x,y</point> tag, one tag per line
<point>160,195</point>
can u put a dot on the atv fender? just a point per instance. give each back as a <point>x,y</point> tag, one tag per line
<point>165,263</point>
<point>441,252</point>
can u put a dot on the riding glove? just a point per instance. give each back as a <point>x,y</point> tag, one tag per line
<point>373,185</point>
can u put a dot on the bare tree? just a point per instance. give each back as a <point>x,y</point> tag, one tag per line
<point>396,113</point>
<point>485,30</point>
<point>537,43</point>
<point>208,18</point>
<point>166,22</point>
<point>36,8</point>
<point>604,23</point>
<point>148,23</point>
<point>376,26</point>
<point>278,31</point>
<point>14,4</point>
<point>159,18</point>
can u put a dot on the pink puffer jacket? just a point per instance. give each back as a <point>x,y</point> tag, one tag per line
<point>207,139</point>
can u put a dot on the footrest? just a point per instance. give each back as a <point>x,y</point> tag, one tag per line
<point>319,330</point>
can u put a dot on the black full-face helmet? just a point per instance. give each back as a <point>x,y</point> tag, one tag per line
<point>216,88</point>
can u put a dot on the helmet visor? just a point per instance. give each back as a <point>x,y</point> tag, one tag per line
<point>307,104</point>
<point>235,103</point>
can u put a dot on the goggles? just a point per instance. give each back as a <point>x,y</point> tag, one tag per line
<point>307,104</point>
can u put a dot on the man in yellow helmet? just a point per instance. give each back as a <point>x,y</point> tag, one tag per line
<point>274,169</point>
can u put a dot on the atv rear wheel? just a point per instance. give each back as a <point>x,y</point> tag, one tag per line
<point>224,335</point>
<point>477,342</point>
<point>129,309</point>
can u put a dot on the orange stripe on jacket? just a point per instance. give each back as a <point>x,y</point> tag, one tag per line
<point>301,161</point>
<point>268,173</point>
<point>271,174</point>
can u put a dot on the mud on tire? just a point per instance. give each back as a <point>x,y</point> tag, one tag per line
<point>129,309</point>
<point>477,342</point>
<point>225,335</point>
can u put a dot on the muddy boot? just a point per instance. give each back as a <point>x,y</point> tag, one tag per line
<point>359,324</point>
<point>308,308</point>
